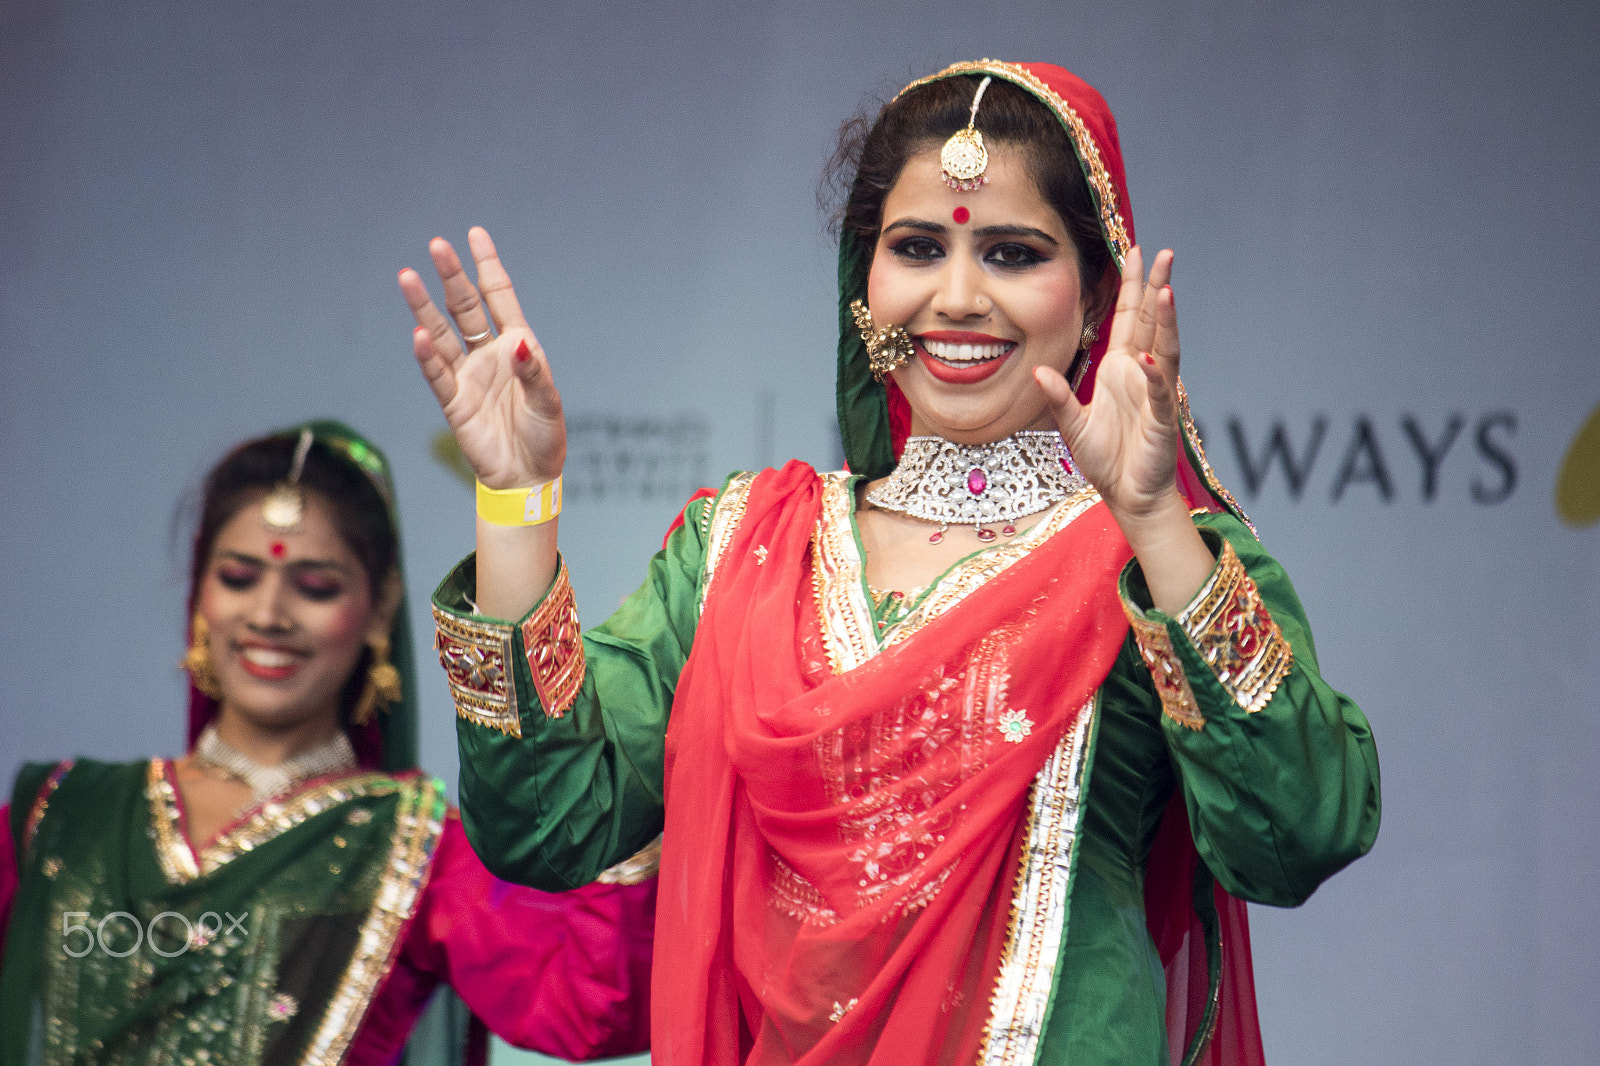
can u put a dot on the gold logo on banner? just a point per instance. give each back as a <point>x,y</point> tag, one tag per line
<point>1578,483</point>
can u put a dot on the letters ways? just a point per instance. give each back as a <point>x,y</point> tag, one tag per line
<point>1416,455</point>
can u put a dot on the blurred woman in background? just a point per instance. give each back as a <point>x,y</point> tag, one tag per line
<point>293,889</point>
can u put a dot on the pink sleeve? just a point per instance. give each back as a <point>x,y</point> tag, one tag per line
<point>566,974</point>
<point>8,874</point>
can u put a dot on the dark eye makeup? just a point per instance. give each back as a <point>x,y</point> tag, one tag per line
<point>315,581</point>
<point>917,248</point>
<point>1012,254</point>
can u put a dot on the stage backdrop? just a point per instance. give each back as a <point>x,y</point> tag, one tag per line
<point>1385,223</point>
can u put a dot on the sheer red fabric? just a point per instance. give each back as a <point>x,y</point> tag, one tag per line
<point>1188,940</point>
<point>838,844</point>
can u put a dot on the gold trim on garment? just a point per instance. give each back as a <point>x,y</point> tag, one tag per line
<point>1192,433</point>
<point>173,852</point>
<point>636,868</point>
<point>552,639</point>
<point>1094,168</point>
<point>971,575</point>
<point>1166,672</point>
<point>419,823</point>
<point>178,860</point>
<point>1235,634</point>
<point>1038,924</point>
<point>729,510</point>
<point>844,607</point>
<point>41,802</point>
<point>476,657</point>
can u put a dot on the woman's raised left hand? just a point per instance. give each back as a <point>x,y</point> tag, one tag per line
<point>1125,439</point>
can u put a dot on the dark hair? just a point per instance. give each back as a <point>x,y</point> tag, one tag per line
<point>359,510</point>
<point>871,153</point>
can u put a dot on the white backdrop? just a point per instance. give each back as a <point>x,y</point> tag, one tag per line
<point>1385,227</point>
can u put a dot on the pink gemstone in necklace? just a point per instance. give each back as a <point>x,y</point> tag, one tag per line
<point>937,536</point>
<point>1009,530</point>
<point>977,481</point>
<point>985,534</point>
<point>1066,464</point>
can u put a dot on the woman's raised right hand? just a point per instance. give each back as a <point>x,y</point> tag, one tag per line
<point>497,393</point>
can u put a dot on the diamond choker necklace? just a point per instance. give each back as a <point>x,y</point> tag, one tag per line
<point>979,485</point>
<point>335,753</point>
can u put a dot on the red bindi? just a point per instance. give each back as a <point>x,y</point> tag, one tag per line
<point>278,549</point>
<point>961,214</point>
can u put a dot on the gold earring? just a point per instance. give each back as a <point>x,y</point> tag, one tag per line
<point>197,660</point>
<point>1091,333</point>
<point>887,348</point>
<point>383,683</point>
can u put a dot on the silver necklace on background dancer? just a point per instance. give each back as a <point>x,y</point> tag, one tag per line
<point>265,781</point>
<point>979,485</point>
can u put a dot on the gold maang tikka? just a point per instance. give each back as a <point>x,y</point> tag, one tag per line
<point>963,157</point>
<point>285,506</point>
<point>887,348</point>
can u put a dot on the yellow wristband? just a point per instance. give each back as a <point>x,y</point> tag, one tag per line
<point>520,507</point>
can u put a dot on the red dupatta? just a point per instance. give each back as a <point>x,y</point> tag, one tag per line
<point>841,848</point>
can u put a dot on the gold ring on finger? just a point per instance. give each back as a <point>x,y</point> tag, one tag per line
<point>478,338</point>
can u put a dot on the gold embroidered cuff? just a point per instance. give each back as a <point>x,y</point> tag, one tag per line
<point>1172,685</point>
<point>554,644</point>
<point>1236,636</point>
<point>476,657</point>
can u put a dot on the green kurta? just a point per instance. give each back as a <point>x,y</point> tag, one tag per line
<point>1279,798</point>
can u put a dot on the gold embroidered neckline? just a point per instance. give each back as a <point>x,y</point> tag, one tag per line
<point>263,822</point>
<point>845,603</point>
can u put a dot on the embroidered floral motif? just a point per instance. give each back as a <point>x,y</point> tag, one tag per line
<point>282,1007</point>
<point>841,1009</point>
<point>793,895</point>
<point>1015,725</point>
<point>761,554</point>
<point>51,866</point>
<point>1234,633</point>
<point>476,657</point>
<point>893,775</point>
<point>359,816</point>
<point>553,641</point>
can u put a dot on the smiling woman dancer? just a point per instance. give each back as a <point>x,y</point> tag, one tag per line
<point>292,890</point>
<point>969,753</point>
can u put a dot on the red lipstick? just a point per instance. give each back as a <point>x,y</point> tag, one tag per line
<point>971,373</point>
<point>270,673</point>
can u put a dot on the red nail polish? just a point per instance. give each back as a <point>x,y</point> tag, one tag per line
<point>523,353</point>
<point>1148,358</point>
